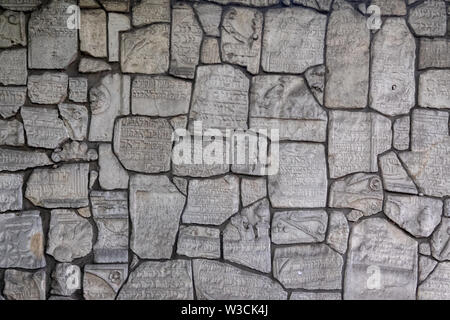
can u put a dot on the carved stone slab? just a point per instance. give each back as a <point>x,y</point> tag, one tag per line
<point>11,192</point>
<point>400,139</point>
<point>11,133</point>
<point>151,11</point>
<point>426,266</point>
<point>440,242</point>
<point>103,281</point>
<point>209,16</point>
<point>199,242</point>
<point>11,99</point>
<point>12,29</point>
<point>252,190</point>
<point>315,77</point>
<point>116,23</point>
<point>391,7</point>
<point>112,175</point>
<point>210,51</point>
<point>48,88</point>
<point>395,177</point>
<point>78,89</point>
<point>13,67</point>
<point>21,285</point>
<point>434,89</point>
<point>15,160</point>
<point>91,65</point>
<point>76,119</point>
<point>381,263</point>
<point>338,232</point>
<point>216,280</point>
<point>20,5</point>
<point>93,33</point>
<point>434,53</point>
<point>437,286</point>
<point>66,279</point>
<point>429,18</point>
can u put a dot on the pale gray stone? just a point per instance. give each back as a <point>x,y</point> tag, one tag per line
<point>48,88</point>
<point>252,3</point>
<point>253,190</point>
<point>354,215</point>
<point>434,53</point>
<point>391,7</point>
<point>250,152</point>
<point>401,133</point>
<point>91,65</point>
<point>103,281</point>
<point>440,241</point>
<point>315,296</point>
<point>437,285</point>
<point>447,208</point>
<point>11,192</point>
<point>199,242</point>
<point>324,5</point>
<point>22,285</point>
<point>302,177</point>
<point>155,209</point>
<point>74,151</point>
<point>151,11</point>
<point>76,118</point>
<point>93,33</point>
<point>153,280</point>
<point>395,177</point>
<point>298,49</point>
<point>112,175</point>
<point>393,62</point>
<point>426,266</point>
<point>11,99</point>
<point>13,67</point>
<point>20,5</point>
<point>16,160</point>
<point>315,77</point>
<point>11,133</point>
<point>209,16</point>
<point>338,232</point>
<point>179,122</point>
<point>434,89</point>
<point>116,5</point>
<point>212,201</point>
<point>381,263</point>
<point>66,279</point>
<point>78,89</point>
<point>93,176</point>
<point>355,141</point>
<point>216,280</point>
<point>22,244</point>
<point>12,29</point>
<point>84,212</point>
<point>210,51</point>
<point>425,248</point>
<point>429,128</point>
<point>116,23</point>
<point>429,18</point>
<point>181,184</point>
<point>63,187</point>
<point>312,267</point>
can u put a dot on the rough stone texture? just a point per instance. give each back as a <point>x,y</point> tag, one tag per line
<point>16,160</point>
<point>199,242</point>
<point>66,279</point>
<point>151,11</point>
<point>395,177</point>
<point>93,33</point>
<point>401,128</point>
<point>437,286</point>
<point>13,67</point>
<point>426,266</point>
<point>338,232</point>
<point>11,133</point>
<point>48,88</point>
<point>112,175</point>
<point>11,192</point>
<point>20,5</point>
<point>434,53</point>
<point>76,118</point>
<point>210,51</point>
<point>21,285</point>
<point>315,296</point>
<point>12,29</point>
<point>116,23</point>
<point>440,240</point>
<point>252,190</point>
<point>103,281</point>
<point>434,89</point>
<point>209,16</point>
<point>391,7</point>
<point>11,99</point>
<point>91,65</point>
<point>429,18</point>
<point>78,89</point>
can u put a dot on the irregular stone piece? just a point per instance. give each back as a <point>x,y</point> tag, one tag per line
<point>212,201</point>
<point>426,266</point>
<point>391,7</point>
<point>289,227</point>
<point>13,67</point>
<point>11,192</point>
<point>253,3</point>
<point>12,29</point>
<point>241,35</point>
<point>210,51</point>
<point>233,283</point>
<point>209,16</point>
<point>110,211</point>
<point>440,242</point>
<point>53,36</point>
<point>401,133</point>
<point>143,144</point>
<point>93,176</point>
<point>355,141</point>
<point>116,23</point>
<point>394,176</point>
<point>437,285</point>
<point>69,237</point>
<point>434,89</point>
<point>20,5</point>
<point>116,5</point>
<point>381,263</point>
<point>74,151</point>
<point>338,232</point>
<point>315,77</point>
<point>103,281</point>
<point>429,18</point>
<point>181,184</point>
<point>153,280</point>
<point>393,84</point>
<point>155,209</point>
<point>78,89</point>
<point>348,61</point>
<point>252,190</point>
<point>323,5</point>
<point>246,238</point>
<point>447,208</point>
<point>15,160</point>
<point>66,279</point>
<point>111,98</point>
<point>11,99</point>
<point>298,49</point>
<point>434,53</point>
<point>89,4</point>
<point>93,33</point>
<point>315,296</point>
<point>151,11</point>
<point>309,267</point>
<point>302,177</point>
<point>11,133</point>
<point>63,187</point>
<point>160,96</point>
<point>360,191</point>
<point>354,215</point>
<point>21,285</point>
<point>199,242</point>
<point>285,103</point>
<point>112,175</point>
<point>90,65</point>
<point>48,88</point>
<point>76,119</point>
<point>429,128</point>
<point>22,240</point>
<point>425,248</point>
<point>145,50</point>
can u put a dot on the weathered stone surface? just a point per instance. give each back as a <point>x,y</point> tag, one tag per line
<point>11,192</point>
<point>391,7</point>
<point>392,75</point>
<point>348,42</point>
<point>93,176</point>
<point>74,151</point>
<point>434,53</point>
<point>253,190</point>
<point>160,96</point>
<point>52,45</point>
<point>290,227</point>
<point>252,3</point>
<point>116,5</point>
<point>143,144</point>
<point>308,267</point>
<point>66,279</point>
<point>108,100</point>
<point>91,65</point>
<point>212,201</point>
<point>155,209</point>
<point>78,89</point>
<point>220,98</point>
<point>302,177</point>
<point>323,5</point>
<point>145,50</point>
<point>112,175</point>
<point>12,29</point>
<point>315,296</point>
<point>13,67</point>
<point>20,5</point>
<point>21,285</point>
<point>93,33</point>
<point>151,11</point>
<point>11,133</point>
<point>360,191</point>
<point>440,247</point>
<point>75,119</point>
<point>429,18</point>
<point>153,280</point>
<point>429,128</point>
<point>298,49</point>
<point>246,238</point>
<point>401,133</point>
<point>63,187</point>
<point>338,232</point>
<point>43,127</point>
<point>48,88</point>
<point>285,103</point>
<point>11,99</point>
<point>233,283</point>
<point>116,23</point>
<point>210,51</point>
<point>209,16</point>
<point>199,242</point>
<point>437,286</point>
<point>381,263</point>
<point>434,89</point>
<point>447,208</point>
<point>426,266</point>
<point>354,215</point>
<point>89,4</point>
<point>355,141</point>
<point>15,160</point>
<point>425,248</point>
<point>181,184</point>
<point>315,77</point>
<point>395,177</point>
<point>22,240</point>
<point>103,281</point>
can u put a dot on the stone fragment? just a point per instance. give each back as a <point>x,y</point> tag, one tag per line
<point>103,281</point>
<point>93,33</point>
<point>199,242</point>
<point>179,122</point>
<point>11,192</point>
<point>78,89</point>
<point>210,51</point>
<point>209,16</point>
<point>181,184</point>
<point>151,11</point>
<point>63,187</point>
<point>354,215</point>
<point>392,82</point>
<point>434,89</point>
<point>395,178</point>
<point>381,263</point>
<point>20,5</point>
<point>246,238</point>
<point>391,7</point>
<point>437,285</point>
<point>252,3</point>
<point>93,176</point>
<point>434,53</point>
<point>108,100</point>
<point>425,248</point>
<point>322,5</point>
<point>112,175</point>
<point>74,151</point>
<point>16,160</point>
<point>252,190</point>
<point>440,241</point>
<point>233,283</point>
<point>116,23</point>
<point>66,279</point>
<point>300,48</point>
<point>11,99</point>
<point>75,119</point>
<point>447,208</point>
<point>12,29</point>
<point>13,67</point>
<point>315,77</point>
<point>160,96</point>
<point>116,5</point>
<point>309,267</point>
<point>145,50</point>
<point>426,266</point>
<point>22,285</point>
<point>53,36</point>
<point>429,18</point>
<point>338,232</point>
<point>315,296</point>
<point>89,4</point>
<point>48,88</point>
<point>11,133</point>
<point>355,141</point>
<point>212,201</point>
<point>347,58</point>
<point>302,177</point>
<point>91,65</point>
<point>22,240</point>
<point>155,209</point>
<point>401,133</point>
